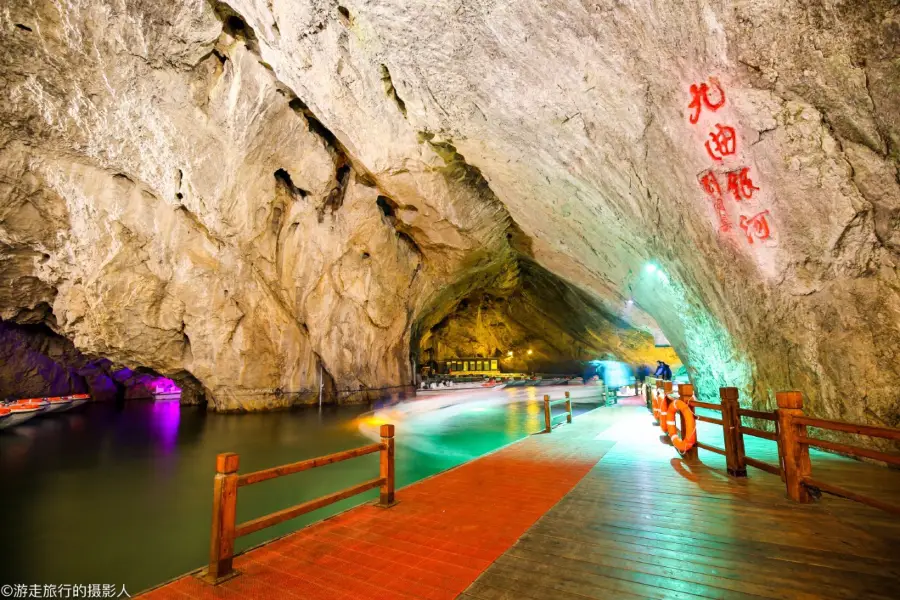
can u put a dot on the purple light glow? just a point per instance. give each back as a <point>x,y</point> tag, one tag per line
<point>145,385</point>
<point>165,419</point>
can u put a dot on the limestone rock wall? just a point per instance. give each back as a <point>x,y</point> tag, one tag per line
<point>180,209</point>
<point>246,191</point>
<point>578,114</point>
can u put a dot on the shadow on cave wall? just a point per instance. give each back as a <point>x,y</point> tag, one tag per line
<point>36,362</point>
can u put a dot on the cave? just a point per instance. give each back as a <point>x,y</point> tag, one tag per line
<point>38,362</point>
<point>285,208</point>
<point>538,323</point>
<point>743,215</point>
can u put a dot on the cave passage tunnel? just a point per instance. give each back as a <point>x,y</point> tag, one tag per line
<point>450,241</point>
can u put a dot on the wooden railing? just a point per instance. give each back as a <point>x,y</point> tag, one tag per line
<point>548,419</point>
<point>794,443</point>
<point>227,481</point>
<point>790,424</point>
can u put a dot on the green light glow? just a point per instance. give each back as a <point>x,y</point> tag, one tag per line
<point>701,340</point>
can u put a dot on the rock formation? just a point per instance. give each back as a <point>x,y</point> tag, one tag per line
<point>271,195</point>
<point>548,326</point>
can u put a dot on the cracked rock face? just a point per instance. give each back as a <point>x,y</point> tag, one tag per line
<point>270,195</point>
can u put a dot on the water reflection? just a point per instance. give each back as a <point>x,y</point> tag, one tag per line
<point>165,419</point>
<point>122,494</point>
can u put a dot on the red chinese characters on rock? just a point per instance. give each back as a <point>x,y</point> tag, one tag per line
<point>711,186</point>
<point>721,143</point>
<point>700,99</point>
<point>756,226</point>
<point>740,185</point>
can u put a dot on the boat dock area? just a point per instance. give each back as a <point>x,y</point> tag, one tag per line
<point>599,508</point>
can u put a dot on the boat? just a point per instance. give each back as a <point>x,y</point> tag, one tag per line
<point>43,403</point>
<point>58,403</point>
<point>77,400</point>
<point>163,393</point>
<point>20,411</point>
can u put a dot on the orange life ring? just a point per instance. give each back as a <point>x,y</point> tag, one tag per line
<point>663,411</point>
<point>655,403</point>
<point>690,426</point>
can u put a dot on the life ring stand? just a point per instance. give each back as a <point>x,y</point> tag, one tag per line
<point>690,426</point>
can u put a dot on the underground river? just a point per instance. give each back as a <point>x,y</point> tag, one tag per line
<point>122,494</point>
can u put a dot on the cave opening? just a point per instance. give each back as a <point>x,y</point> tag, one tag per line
<point>540,327</point>
<point>37,362</point>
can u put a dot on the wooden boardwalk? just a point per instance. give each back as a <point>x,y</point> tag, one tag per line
<point>644,524</point>
<point>440,537</point>
<point>597,509</point>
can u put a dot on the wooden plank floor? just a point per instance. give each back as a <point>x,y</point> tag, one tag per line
<point>443,533</point>
<point>644,524</point>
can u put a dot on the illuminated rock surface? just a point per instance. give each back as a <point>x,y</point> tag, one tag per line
<point>245,192</point>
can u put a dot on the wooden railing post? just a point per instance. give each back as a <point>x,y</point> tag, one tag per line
<point>568,408</point>
<point>387,467</point>
<point>547,414</point>
<point>686,395</point>
<point>794,456</point>
<point>731,429</point>
<point>221,547</point>
<point>657,395</point>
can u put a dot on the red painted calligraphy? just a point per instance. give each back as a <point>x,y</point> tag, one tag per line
<point>740,185</point>
<point>756,226</point>
<point>711,186</point>
<point>722,142</point>
<point>700,99</point>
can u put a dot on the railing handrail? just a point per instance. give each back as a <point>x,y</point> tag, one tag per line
<point>888,433</point>
<point>795,442</point>
<point>766,435</point>
<point>733,430</point>
<point>794,465</point>
<point>305,465</point>
<point>254,525</point>
<point>756,414</point>
<point>850,449</point>
<point>836,490</point>
<point>707,405</point>
<point>227,481</point>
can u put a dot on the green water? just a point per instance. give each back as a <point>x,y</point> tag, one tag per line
<point>122,495</point>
